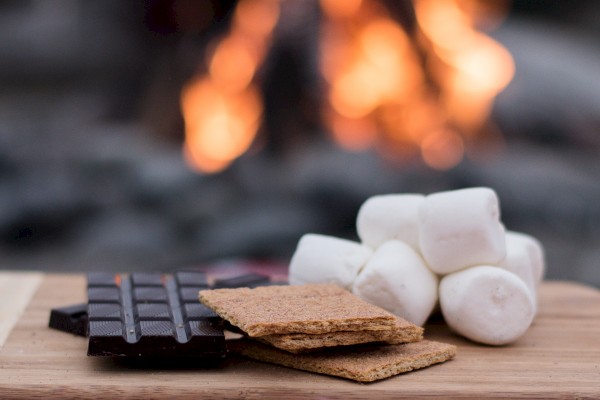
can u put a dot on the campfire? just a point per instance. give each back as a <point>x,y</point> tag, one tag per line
<point>419,87</point>
<point>295,112</point>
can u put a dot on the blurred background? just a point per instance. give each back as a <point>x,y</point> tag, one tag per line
<point>156,134</point>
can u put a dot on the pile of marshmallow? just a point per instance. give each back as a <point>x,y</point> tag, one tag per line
<point>447,250</point>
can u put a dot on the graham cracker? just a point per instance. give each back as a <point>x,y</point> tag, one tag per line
<point>363,363</point>
<point>403,332</point>
<point>310,309</point>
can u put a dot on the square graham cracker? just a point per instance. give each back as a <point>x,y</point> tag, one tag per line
<point>310,309</point>
<point>362,363</point>
<point>403,332</point>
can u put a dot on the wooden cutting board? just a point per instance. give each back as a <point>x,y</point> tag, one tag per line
<point>559,357</point>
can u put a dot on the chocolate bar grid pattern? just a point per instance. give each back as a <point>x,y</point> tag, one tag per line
<point>151,314</point>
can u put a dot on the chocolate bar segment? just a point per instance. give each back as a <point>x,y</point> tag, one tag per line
<point>72,319</point>
<point>191,278</point>
<point>247,280</point>
<point>147,314</point>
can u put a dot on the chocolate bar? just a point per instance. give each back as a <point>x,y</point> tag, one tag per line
<point>149,314</point>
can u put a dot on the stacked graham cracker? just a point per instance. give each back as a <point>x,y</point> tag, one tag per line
<point>324,328</point>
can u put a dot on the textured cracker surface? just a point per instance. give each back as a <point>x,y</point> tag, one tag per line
<point>312,309</point>
<point>403,332</point>
<point>363,363</point>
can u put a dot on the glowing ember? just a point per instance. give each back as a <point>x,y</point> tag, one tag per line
<point>222,109</point>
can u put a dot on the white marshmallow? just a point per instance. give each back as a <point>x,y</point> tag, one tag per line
<point>388,217</point>
<point>326,259</point>
<point>397,279</point>
<point>519,260</point>
<point>535,250</point>
<point>461,228</point>
<point>486,304</point>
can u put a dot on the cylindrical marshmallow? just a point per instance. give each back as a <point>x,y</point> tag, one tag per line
<point>389,217</point>
<point>486,304</point>
<point>461,228</point>
<point>519,260</point>
<point>326,259</point>
<point>535,250</point>
<point>397,279</point>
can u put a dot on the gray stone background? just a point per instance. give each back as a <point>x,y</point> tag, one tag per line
<point>92,177</point>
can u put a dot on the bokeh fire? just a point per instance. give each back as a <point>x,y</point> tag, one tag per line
<point>427,92</point>
<point>222,109</point>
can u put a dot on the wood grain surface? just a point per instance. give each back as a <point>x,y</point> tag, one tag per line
<point>16,289</point>
<point>558,357</point>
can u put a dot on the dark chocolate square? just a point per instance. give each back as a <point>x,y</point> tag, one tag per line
<point>154,311</point>
<point>147,279</point>
<point>103,294</point>
<point>247,280</point>
<point>101,279</point>
<point>150,294</point>
<point>104,311</point>
<point>106,328</point>
<point>157,328</point>
<point>191,278</point>
<point>190,294</point>
<point>197,311</point>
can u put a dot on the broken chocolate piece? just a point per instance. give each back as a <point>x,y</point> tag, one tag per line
<point>71,319</point>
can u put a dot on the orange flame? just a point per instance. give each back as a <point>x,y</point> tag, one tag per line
<point>428,94</point>
<point>378,94</point>
<point>222,109</point>
<point>472,68</point>
<point>340,8</point>
<point>368,61</point>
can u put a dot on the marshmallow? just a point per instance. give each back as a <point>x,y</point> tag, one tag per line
<point>486,304</point>
<point>397,279</point>
<point>535,250</point>
<point>326,259</point>
<point>387,217</point>
<point>520,260</point>
<point>461,228</point>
